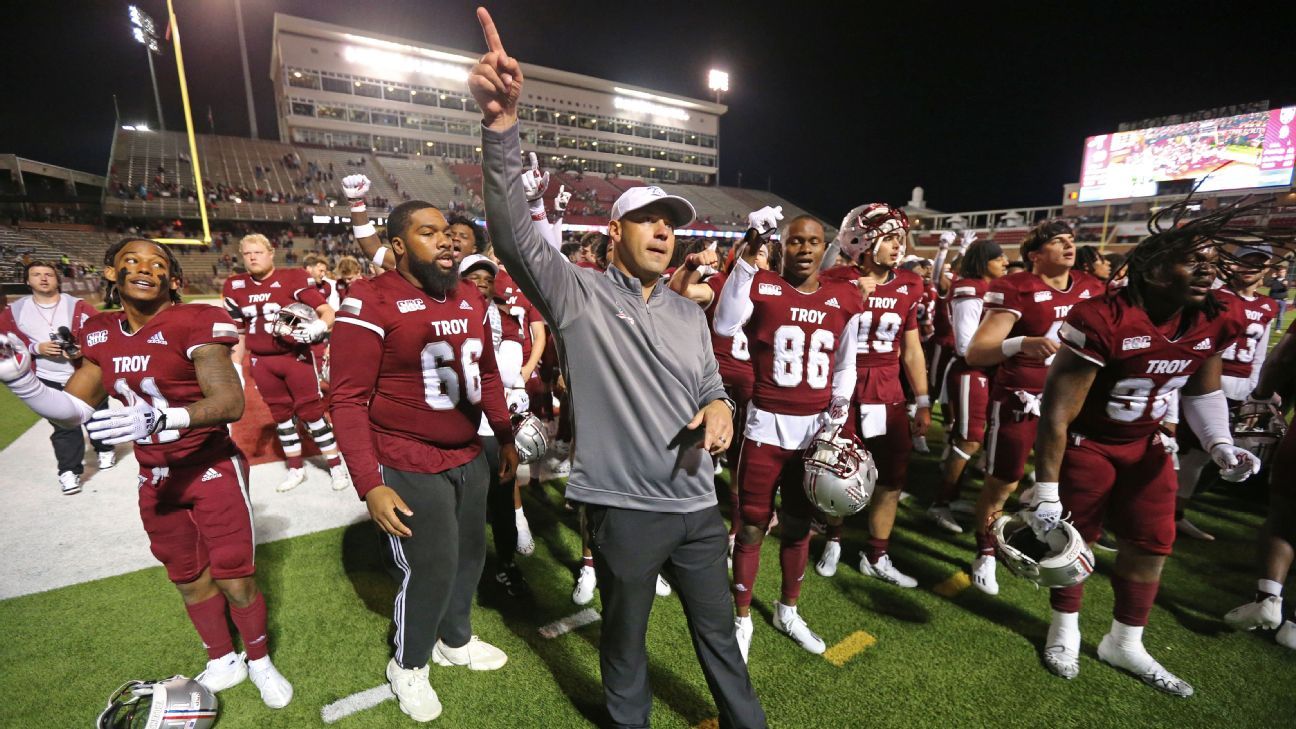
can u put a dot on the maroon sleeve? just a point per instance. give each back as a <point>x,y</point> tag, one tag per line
<point>1003,296</point>
<point>209,325</point>
<point>353,379</point>
<point>493,403</point>
<point>9,324</point>
<point>81,313</point>
<point>1088,331</point>
<point>307,293</point>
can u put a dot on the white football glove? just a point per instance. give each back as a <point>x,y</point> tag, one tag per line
<point>947,238</point>
<point>534,183</point>
<point>765,219</point>
<point>1235,464</point>
<point>1168,442</point>
<point>355,187</point>
<point>969,237</point>
<point>1043,510</point>
<point>561,200</point>
<point>836,413</point>
<point>138,420</point>
<point>15,358</point>
<point>310,332</point>
<point>518,400</point>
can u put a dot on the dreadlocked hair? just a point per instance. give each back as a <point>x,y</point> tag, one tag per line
<point>112,296</point>
<point>1173,234</point>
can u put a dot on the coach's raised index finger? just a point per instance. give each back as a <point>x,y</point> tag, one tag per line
<point>488,29</point>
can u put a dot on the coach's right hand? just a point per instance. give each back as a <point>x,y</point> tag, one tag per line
<point>383,503</point>
<point>496,80</point>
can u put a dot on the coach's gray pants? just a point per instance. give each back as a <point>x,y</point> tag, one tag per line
<point>630,547</point>
<point>442,561</point>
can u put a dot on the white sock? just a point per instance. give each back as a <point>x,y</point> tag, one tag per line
<point>1064,630</point>
<point>1128,637</point>
<point>1270,587</point>
<point>744,620</point>
<point>785,611</point>
<point>518,516</point>
<point>227,658</point>
<point>262,662</point>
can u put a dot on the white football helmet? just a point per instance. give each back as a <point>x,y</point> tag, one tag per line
<point>173,703</point>
<point>1259,427</point>
<point>839,473</point>
<point>529,438</point>
<point>864,226</point>
<point>289,318</point>
<point>1061,560</point>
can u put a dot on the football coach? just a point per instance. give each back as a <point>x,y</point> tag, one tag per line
<point>648,408</point>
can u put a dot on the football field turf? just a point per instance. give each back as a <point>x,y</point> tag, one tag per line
<point>939,655</point>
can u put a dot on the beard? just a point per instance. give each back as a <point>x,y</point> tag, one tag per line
<point>435,282</point>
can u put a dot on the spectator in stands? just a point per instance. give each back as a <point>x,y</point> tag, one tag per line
<point>49,323</point>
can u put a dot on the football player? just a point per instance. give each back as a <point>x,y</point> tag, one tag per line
<point>1278,535</point>
<point>1019,336</point>
<point>1243,361</point>
<point>873,237</point>
<point>317,269</point>
<point>801,332</point>
<point>1099,455</point>
<point>283,368</point>
<point>169,364</point>
<point>969,387</point>
<point>408,400</point>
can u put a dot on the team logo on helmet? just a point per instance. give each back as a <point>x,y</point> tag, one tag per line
<point>1061,559</point>
<point>173,703</point>
<point>865,226</point>
<point>839,473</point>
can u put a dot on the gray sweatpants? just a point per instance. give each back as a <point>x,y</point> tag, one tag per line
<point>442,561</point>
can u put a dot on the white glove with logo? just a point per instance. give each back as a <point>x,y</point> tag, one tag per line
<point>138,420</point>
<point>1030,402</point>
<point>1168,442</point>
<point>765,219</point>
<point>947,238</point>
<point>518,400</point>
<point>969,237</point>
<point>836,413</point>
<point>15,359</point>
<point>310,332</point>
<point>355,187</point>
<point>1235,464</point>
<point>1043,510</point>
<point>534,183</point>
<point>561,200</point>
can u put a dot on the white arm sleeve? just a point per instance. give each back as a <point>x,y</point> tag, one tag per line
<point>965,316</point>
<point>1208,416</point>
<point>509,360</point>
<point>735,306</point>
<point>54,405</point>
<point>551,233</point>
<point>1172,409</point>
<point>844,372</point>
<point>1261,352</point>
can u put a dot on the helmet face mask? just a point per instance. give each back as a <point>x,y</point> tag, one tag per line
<point>864,227</point>
<point>529,438</point>
<point>1062,559</point>
<point>839,473</point>
<point>1259,428</point>
<point>173,703</point>
<point>290,318</point>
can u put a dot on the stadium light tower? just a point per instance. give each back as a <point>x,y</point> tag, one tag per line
<point>144,31</point>
<point>718,81</point>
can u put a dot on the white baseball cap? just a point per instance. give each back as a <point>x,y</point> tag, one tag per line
<point>477,260</point>
<point>681,210</point>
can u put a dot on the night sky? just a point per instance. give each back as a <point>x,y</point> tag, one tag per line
<point>837,103</point>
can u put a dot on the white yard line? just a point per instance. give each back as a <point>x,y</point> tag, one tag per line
<point>569,623</point>
<point>357,702</point>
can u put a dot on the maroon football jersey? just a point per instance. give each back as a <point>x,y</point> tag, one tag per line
<point>793,338</point>
<point>890,311</point>
<point>962,290</point>
<point>927,306</point>
<point>253,305</point>
<point>417,376</point>
<point>155,365</point>
<point>731,353</point>
<point>1040,310</point>
<point>519,308</point>
<point>942,328</point>
<point>1258,311</point>
<point>1142,367</point>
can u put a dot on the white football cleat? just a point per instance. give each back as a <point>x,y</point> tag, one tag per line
<point>1266,613</point>
<point>224,672</point>
<point>944,518</point>
<point>275,690</point>
<point>341,478</point>
<point>525,542</point>
<point>1062,645</point>
<point>743,633</point>
<point>476,654</point>
<point>1192,531</point>
<point>983,575</point>
<point>70,483</point>
<point>886,571</point>
<point>663,587</point>
<point>295,477</point>
<point>415,695</point>
<point>827,564</point>
<point>1286,636</point>
<point>107,459</point>
<point>1142,665</point>
<point>920,444</point>
<point>585,584</point>
<point>790,622</point>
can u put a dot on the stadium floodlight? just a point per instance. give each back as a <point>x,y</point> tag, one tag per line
<point>141,127</point>
<point>144,31</point>
<point>128,128</point>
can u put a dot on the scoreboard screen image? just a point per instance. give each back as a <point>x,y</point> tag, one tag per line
<point>1235,153</point>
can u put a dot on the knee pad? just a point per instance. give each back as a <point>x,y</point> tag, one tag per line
<point>231,560</point>
<point>288,436</point>
<point>311,411</point>
<point>321,432</point>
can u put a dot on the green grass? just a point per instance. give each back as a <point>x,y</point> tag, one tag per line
<point>15,418</point>
<point>971,660</point>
